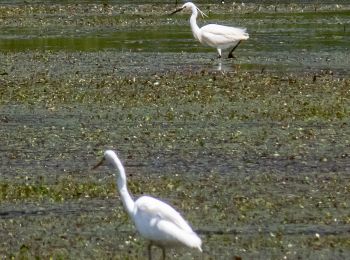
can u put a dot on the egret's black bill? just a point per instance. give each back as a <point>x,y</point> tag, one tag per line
<point>99,164</point>
<point>178,10</point>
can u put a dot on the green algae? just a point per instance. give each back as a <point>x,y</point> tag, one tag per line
<point>230,96</point>
<point>255,159</point>
<point>274,172</point>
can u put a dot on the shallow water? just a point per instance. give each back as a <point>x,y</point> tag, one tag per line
<point>264,136</point>
<point>283,40</point>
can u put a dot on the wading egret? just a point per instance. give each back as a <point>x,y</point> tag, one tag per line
<point>155,220</point>
<point>218,36</point>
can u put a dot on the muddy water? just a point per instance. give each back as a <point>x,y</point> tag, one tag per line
<point>265,136</point>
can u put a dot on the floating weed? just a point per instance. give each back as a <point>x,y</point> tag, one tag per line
<point>257,162</point>
<point>66,188</point>
<point>238,96</point>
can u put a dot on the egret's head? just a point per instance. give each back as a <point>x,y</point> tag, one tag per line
<point>189,6</point>
<point>109,159</point>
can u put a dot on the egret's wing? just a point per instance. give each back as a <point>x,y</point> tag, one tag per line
<point>158,209</point>
<point>224,30</point>
<point>221,35</point>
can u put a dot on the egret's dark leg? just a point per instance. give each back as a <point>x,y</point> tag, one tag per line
<point>163,253</point>
<point>230,55</point>
<point>149,251</point>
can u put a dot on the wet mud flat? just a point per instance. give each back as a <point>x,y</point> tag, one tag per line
<point>257,160</point>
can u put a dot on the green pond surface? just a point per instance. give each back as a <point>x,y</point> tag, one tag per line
<point>293,40</point>
<point>254,152</point>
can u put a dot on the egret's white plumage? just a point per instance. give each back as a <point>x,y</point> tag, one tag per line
<point>218,36</point>
<point>154,219</point>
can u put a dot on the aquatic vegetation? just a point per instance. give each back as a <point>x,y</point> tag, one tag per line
<point>255,157</point>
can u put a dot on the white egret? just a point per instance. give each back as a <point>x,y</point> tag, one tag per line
<point>155,220</point>
<point>218,36</point>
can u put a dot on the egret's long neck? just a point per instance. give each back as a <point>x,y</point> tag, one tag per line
<point>123,190</point>
<point>193,22</point>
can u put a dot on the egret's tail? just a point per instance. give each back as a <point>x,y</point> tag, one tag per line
<point>245,35</point>
<point>194,241</point>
